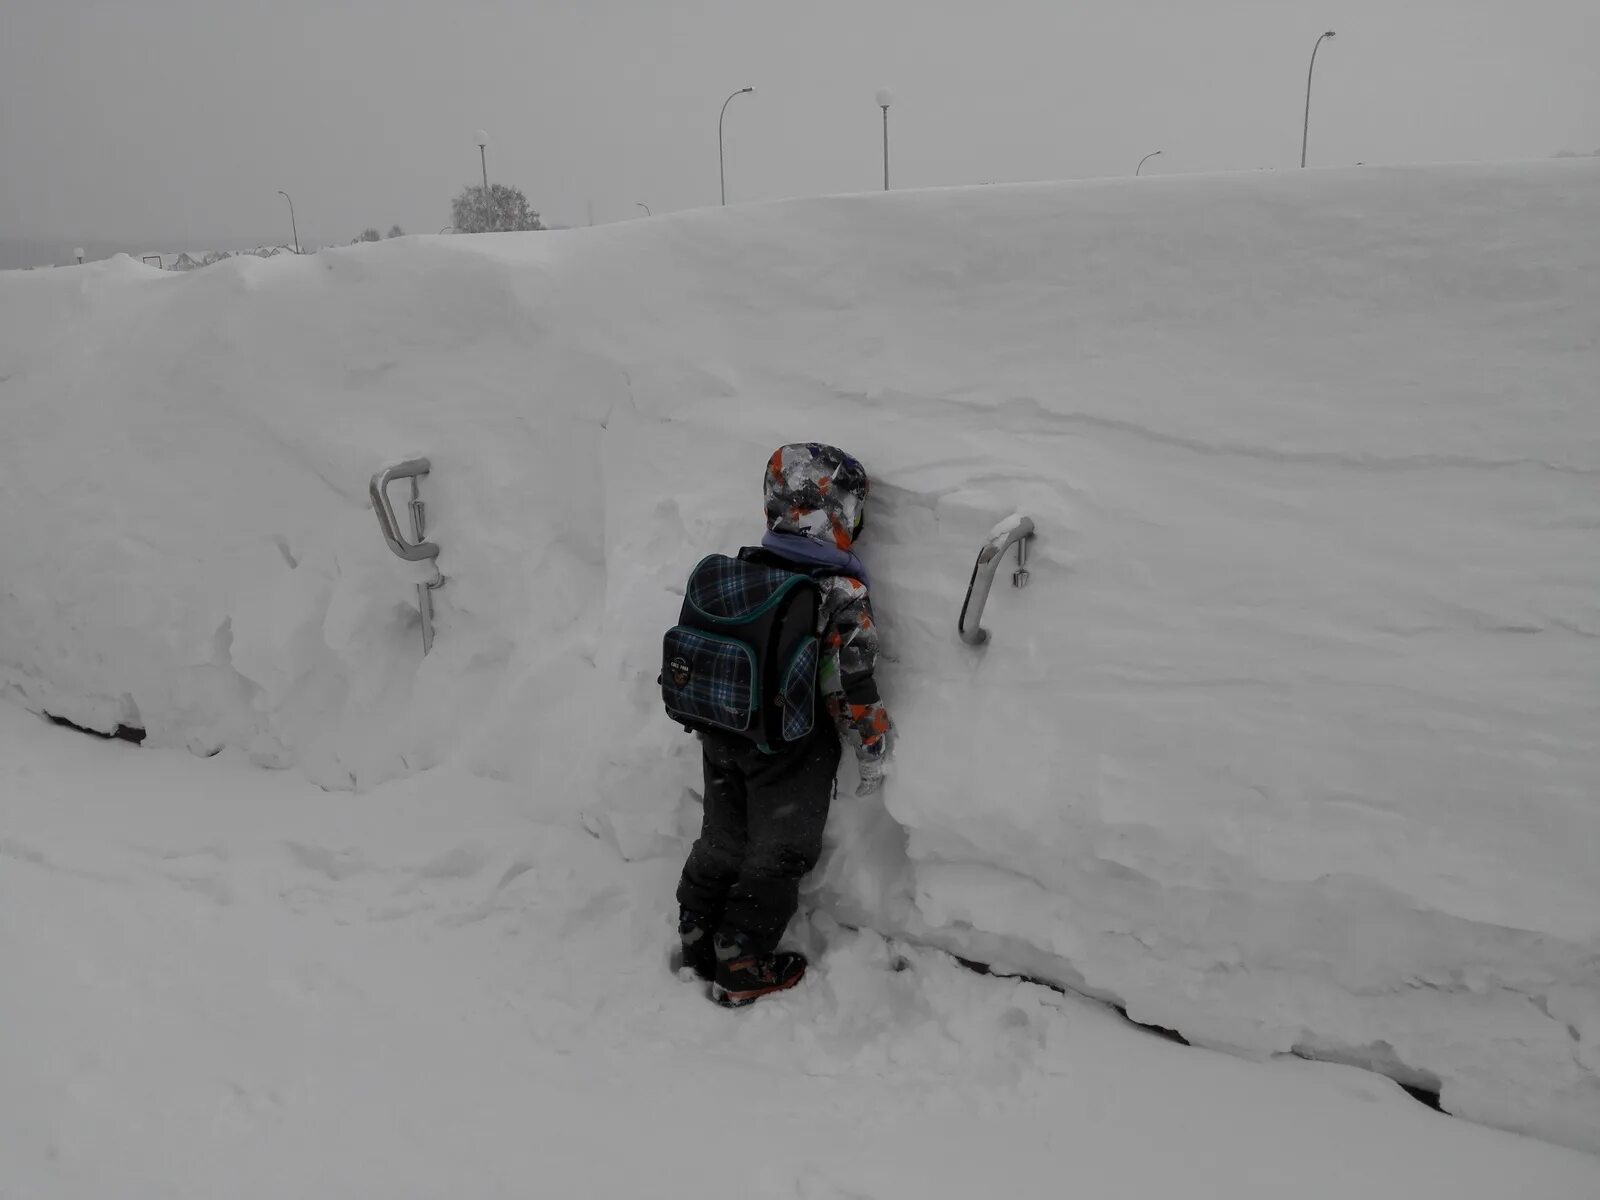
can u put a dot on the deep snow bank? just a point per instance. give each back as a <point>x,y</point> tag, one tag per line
<point>1289,745</point>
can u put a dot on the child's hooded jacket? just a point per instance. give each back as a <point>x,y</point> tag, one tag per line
<point>816,505</point>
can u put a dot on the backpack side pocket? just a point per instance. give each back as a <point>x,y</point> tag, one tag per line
<point>798,691</point>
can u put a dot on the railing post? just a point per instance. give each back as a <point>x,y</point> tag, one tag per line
<point>1015,529</point>
<point>418,550</point>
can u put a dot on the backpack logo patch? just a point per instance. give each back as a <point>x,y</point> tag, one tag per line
<point>678,671</point>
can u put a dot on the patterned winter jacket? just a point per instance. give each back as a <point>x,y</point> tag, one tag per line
<point>849,654</point>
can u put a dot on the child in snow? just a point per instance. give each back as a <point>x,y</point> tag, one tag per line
<point>765,810</point>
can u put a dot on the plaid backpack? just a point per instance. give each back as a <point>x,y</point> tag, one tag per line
<point>742,658</point>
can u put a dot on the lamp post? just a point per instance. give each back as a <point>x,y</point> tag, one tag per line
<point>1305,131</point>
<point>1144,160</point>
<point>293,228</point>
<point>643,205</point>
<point>885,98</point>
<point>722,170</point>
<point>489,218</point>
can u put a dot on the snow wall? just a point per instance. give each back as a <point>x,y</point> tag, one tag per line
<point>1292,744</point>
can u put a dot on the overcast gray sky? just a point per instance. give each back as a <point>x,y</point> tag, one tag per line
<point>177,121</point>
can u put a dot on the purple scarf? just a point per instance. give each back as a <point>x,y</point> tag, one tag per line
<point>800,548</point>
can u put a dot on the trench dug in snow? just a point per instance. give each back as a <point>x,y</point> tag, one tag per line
<point>1420,1086</point>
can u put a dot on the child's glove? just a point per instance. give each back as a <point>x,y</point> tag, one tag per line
<point>871,771</point>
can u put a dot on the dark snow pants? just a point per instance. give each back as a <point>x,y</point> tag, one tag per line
<point>764,815</point>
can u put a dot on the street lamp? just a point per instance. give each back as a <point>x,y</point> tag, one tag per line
<point>643,205</point>
<point>1144,160</point>
<point>294,228</point>
<point>489,218</point>
<point>885,98</point>
<point>722,170</point>
<point>1306,129</point>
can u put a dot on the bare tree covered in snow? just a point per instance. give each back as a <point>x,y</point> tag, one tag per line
<point>506,210</point>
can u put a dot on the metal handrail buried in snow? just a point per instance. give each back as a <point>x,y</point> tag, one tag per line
<point>417,550</point>
<point>1016,529</point>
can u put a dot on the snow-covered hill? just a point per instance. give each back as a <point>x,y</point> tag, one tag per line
<point>1290,744</point>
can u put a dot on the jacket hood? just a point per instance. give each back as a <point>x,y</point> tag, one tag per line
<point>816,491</point>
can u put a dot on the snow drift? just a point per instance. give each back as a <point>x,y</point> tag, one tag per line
<point>1289,745</point>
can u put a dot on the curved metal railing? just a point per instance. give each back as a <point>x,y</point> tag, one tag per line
<point>417,550</point>
<point>412,469</point>
<point>1015,529</point>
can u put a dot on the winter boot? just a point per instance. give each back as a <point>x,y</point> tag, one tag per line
<point>744,976</point>
<point>694,950</point>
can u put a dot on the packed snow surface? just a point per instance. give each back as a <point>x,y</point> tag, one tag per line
<point>1290,744</point>
<point>221,981</point>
